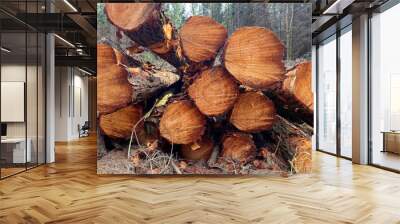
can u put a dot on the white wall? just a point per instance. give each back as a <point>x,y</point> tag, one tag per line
<point>10,73</point>
<point>71,94</point>
<point>61,103</point>
<point>16,73</point>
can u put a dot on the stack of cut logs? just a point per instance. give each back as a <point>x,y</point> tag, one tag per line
<point>248,108</point>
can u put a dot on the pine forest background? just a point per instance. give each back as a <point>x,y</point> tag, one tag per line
<point>290,21</point>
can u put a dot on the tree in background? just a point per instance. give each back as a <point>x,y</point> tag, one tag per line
<point>176,12</point>
<point>290,21</point>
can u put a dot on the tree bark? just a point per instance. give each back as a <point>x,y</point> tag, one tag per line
<point>147,26</point>
<point>293,144</point>
<point>123,80</point>
<point>189,52</point>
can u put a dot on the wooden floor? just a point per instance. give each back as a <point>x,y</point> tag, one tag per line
<point>387,159</point>
<point>69,191</point>
<point>5,172</point>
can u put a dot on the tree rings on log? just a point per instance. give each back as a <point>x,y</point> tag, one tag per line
<point>214,91</point>
<point>182,123</point>
<point>113,88</point>
<point>120,123</point>
<point>199,150</point>
<point>130,17</point>
<point>253,112</point>
<point>238,146</point>
<point>253,55</point>
<point>146,25</point>
<point>201,38</point>
<point>298,83</point>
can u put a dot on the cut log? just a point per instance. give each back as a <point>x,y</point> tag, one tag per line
<point>238,146</point>
<point>182,123</point>
<point>146,25</point>
<point>119,124</point>
<point>253,55</point>
<point>201,38</point>
<point>148,81</point>
<point>293,144</point>
<point>214,91</point>
<point>199,150</point>
<point>113,88</point>
<point>302,159</point>
<point>272,161</point>
<point>294,96</point>
<point>253,112</point>
<point>298,84</point>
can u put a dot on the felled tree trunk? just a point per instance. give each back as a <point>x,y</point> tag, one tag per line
<point>214,91</point>
<point>221,110</point>
<point>302,159</point>
<point>201,37</point>
<point>113,88</point>
<point>256,63</point>
<point>182,123</point>
<point>146,25</point>
<point>147,82</point>
<point>293,144</point>
<point>253,112</point>
<point>293,96</point>
<point>123,80</point>
<point>119,124</point>
<point>200,150</point>
<point>192,50</point>
<point>238,147</point>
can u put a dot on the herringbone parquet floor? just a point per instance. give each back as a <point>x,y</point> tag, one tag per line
<point>69,191</point>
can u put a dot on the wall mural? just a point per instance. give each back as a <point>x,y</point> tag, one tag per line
<point>204,88</point>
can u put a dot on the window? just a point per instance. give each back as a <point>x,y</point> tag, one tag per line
<point>326,91</point>
<point>385,89</point>
<point>346,92</point>
<point>22,75</point>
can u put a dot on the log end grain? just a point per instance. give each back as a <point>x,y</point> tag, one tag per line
<point>201,38</point>
<point>253,55</point>
<point>113,88</point>
<point>298,83</point>
<point>119,124</point>
<point>199,150</point>
<point>130,17</point>
<point>182,123</point>
<point>214,91</point>
<point>238,146</point>
<point>253,112</point>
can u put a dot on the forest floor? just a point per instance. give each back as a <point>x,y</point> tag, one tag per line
<point>117,162</point>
